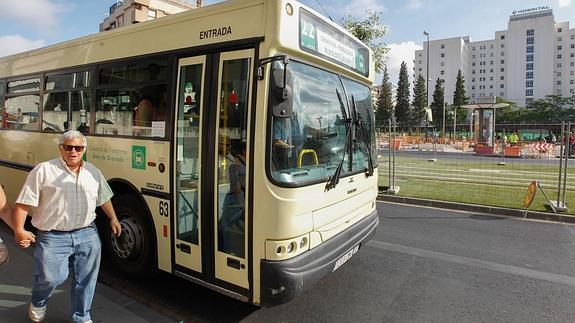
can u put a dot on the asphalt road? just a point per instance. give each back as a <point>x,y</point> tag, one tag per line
<point>423,265</point>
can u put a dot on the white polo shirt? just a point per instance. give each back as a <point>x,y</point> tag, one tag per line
<point>63,201</point>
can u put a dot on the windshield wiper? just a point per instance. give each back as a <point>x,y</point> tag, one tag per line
<point>334,179</point>
<point>360,124</point>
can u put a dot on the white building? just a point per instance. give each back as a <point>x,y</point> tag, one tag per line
<point>127,12</point>
<point>533,58</point>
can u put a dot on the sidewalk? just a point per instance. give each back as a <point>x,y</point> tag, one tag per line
<point>109,305</point>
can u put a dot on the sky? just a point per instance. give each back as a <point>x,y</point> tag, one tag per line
<point>28,24</point>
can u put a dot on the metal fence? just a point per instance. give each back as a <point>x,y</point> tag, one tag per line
<point>457,168</point>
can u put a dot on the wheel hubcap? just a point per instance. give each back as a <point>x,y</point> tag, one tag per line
<point>130,243</point>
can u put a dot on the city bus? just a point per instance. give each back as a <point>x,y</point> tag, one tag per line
<point>238,139</point>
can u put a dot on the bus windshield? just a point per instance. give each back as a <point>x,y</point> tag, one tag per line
<point>310,142</point>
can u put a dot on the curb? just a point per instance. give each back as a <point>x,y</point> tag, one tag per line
<point>478,208</point>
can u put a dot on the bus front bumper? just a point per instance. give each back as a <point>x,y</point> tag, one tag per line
<point>284,280</point>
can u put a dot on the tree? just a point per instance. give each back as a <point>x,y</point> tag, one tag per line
<point>437,104</point>
<point>459,97</point>
<point>369,31</point>
<point>551,109</point>
<point>402,98</point>
<point>384,108</point>
<point>419,101</point>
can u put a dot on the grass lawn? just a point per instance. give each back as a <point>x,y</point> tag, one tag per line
<point>474,182</point>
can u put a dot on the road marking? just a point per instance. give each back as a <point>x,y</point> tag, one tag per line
<point>507,269</point>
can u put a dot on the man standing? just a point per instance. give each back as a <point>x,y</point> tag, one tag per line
<point>63,194</point>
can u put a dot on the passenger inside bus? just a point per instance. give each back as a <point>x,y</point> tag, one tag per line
<point>233,210</point>
<point>144,113</point>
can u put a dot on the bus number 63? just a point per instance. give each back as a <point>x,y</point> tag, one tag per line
<point>164,209</point>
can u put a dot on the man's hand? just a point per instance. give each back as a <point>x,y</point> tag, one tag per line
<point>24,238</point>
<point>116,227</point>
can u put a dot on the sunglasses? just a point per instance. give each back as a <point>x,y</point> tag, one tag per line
<point>70,147</point>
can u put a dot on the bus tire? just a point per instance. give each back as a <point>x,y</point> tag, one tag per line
<point>134,252</point>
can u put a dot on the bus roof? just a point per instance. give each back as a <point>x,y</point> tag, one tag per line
<point>190,29</point>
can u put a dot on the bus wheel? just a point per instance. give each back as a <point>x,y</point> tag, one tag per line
<point>134,250</point>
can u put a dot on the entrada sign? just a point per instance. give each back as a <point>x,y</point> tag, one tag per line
<point>518,12</point>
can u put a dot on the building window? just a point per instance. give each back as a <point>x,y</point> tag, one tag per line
<point>571,82</point>
<point>571,64</point>
<point>502,37</point>
<point>473,48</point>
<point>502,53</point>
<point>442,63</point>
<point>442,46</point>
<point>530,40</point>
<point>442,72</point>
<point>529,58</point>
<point>558,82</point>
<point>558,91</point>
<point>572,37</point>
<point>420,55</point>
<point>502,69</point>
<point>559,30</point>
<point>530,49</point>
<point>152,14</point>
<point>491,78</point>
<point>490,54</point>
<point>559,38</point>
<point>502,61</point>
<point>572,55</point>
<point>473,56</point>
<point>529,75</point>
<point>529,92</point>
<point>529,83</point>
<point>529,66</point>
<point>420,69</point>
<point>502,78</point>
<point>571,91</point>
<point>501,94</point>
<point>530,32</point>
<point>490,70</point>
<point>473,79</point>
<point>559,47</point>
<point>473,64</point>
<point>559,74</point>
<point>473,87</point>
<point>558,56</point>
<point>442,55</point>
<point>491,86</point>
<point>501,86</point>
<point>473,72</point>
<point>571,73</point>
<point>502,45</point>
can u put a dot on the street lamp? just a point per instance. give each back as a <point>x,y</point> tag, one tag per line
<point>426,33</point>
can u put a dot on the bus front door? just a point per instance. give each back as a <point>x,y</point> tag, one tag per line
<point>212,127</point>
<point>188,252</point>
<point>232,134</point>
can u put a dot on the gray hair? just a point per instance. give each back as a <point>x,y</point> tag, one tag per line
<point>73,134</point>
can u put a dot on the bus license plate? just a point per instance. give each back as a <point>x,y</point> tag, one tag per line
<point>345,257</point>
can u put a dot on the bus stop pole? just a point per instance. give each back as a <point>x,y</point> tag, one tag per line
<point>566,162</point>
<point>391,145</point>
<point>563,138</point>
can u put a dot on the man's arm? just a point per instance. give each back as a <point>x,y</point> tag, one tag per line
<point>23,237</point>
<point>108,208</point>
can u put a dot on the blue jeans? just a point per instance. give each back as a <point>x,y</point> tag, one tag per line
<point>57,253</point>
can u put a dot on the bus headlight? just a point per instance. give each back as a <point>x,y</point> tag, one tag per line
<point>285,249</point>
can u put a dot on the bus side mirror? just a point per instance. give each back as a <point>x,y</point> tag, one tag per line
<point>281,94</point>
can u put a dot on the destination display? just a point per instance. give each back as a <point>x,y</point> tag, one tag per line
<point>319,38</point>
